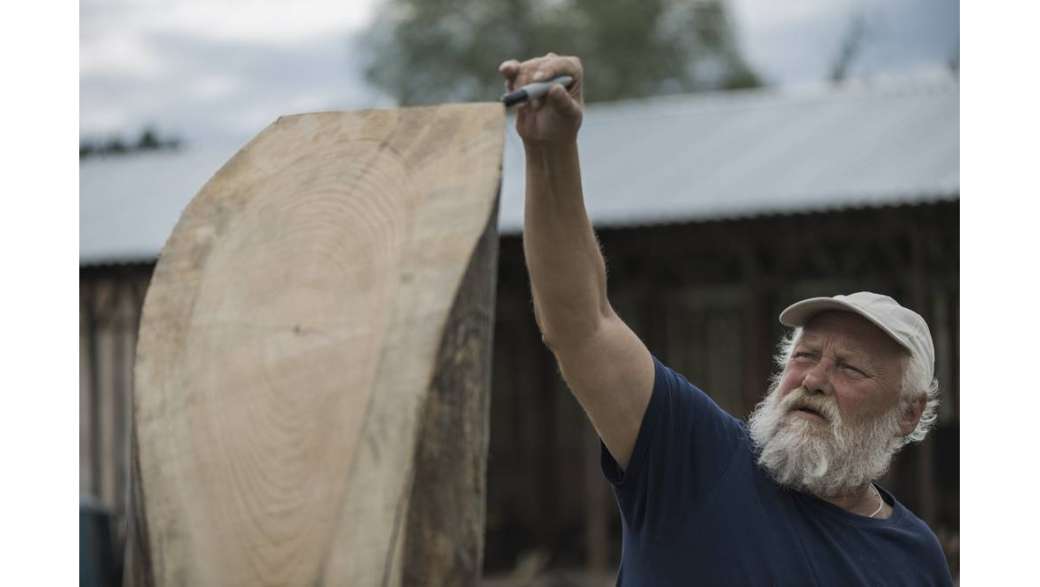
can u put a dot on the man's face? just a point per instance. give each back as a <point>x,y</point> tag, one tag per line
<point>833,420</point>
<point>843,359</point>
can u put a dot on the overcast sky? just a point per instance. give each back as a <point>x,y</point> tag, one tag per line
<point>223,69</point>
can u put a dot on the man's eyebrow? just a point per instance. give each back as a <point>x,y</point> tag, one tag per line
<point>808,341</point>
<point>858,359</point>
<point>805,347</point>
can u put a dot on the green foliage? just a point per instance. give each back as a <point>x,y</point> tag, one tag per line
<point>429,51</point>
<point>117,146</point>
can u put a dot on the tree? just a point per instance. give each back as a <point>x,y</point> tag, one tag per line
<point>428,51</point>
<point>851,47</point>
<point>149,140</point>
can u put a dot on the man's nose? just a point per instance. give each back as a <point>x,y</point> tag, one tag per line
<point>817,379</point>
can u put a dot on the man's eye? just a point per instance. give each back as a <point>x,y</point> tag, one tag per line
<point>854,370</point>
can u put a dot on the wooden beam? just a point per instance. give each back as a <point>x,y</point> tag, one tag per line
<point>313,364</point>
<point>919,296</point>
<point>87,395</point>
<point>597,507</point>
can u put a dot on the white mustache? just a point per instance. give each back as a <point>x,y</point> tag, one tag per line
<point>801,399</point>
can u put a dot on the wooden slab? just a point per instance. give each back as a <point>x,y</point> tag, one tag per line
<point>313,366</point>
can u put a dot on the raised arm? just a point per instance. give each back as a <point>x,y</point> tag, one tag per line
<point>604,363</point>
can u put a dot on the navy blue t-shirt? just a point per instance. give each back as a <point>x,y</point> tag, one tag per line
<point>697,510</point>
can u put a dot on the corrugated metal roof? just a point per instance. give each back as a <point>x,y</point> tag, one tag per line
<point>714,156</point>
<point>129,205</point>
<point>674,159</point>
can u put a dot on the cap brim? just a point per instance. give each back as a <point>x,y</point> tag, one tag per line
<point>799,313</point>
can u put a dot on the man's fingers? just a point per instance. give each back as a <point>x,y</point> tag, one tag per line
<point>508,69</point>
<point>519,74</point>
<point>563,101</point>
<point>552,66</point>
<point>543,68</point>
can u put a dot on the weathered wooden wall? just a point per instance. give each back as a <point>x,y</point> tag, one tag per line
<point>110,311</point>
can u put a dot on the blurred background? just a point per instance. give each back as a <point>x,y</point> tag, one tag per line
<point>737,156</point>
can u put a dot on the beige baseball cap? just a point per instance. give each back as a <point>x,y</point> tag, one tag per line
<point>905,326</point>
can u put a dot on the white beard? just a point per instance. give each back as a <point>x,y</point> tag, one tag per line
<point>826,459</point>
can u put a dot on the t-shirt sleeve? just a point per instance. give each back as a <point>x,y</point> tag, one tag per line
<point>684,446</point>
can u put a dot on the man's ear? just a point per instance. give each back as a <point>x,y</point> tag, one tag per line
<point>911,415</point>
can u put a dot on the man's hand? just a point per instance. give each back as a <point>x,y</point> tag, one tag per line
<point>556,117</point>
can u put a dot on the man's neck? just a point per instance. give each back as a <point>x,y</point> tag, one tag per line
<point>863,501</point>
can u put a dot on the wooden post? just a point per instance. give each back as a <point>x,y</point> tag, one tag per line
<point>87,395</point>
<point>313,364</point>
<point>597,500</point>
<point>94,395</point>
<point>923,469</point>
<point>757,342</point>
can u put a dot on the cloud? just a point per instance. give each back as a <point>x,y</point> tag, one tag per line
<point>249,21</point>
<point>211,87</point>
<point>799,40</point>
<point>124,54</point>
<point>217,67</point>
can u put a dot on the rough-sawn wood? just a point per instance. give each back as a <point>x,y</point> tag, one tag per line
<point>313,367</point>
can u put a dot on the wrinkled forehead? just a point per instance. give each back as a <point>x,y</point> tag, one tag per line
<point>850,333</point>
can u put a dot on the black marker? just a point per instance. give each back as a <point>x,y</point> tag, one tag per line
<point>535,90</point>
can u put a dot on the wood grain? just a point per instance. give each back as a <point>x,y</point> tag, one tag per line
<point>292,351</point>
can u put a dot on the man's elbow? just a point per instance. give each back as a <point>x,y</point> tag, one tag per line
<point>572,332</point>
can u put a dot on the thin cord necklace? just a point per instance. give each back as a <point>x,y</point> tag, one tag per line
<point>881,502</point>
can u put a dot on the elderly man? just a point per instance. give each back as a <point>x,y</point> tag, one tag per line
<point>787,499</point>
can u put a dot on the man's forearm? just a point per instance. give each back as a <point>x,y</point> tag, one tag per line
<point>568,274</point>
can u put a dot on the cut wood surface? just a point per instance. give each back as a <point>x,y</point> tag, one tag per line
<point>313,366</point>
